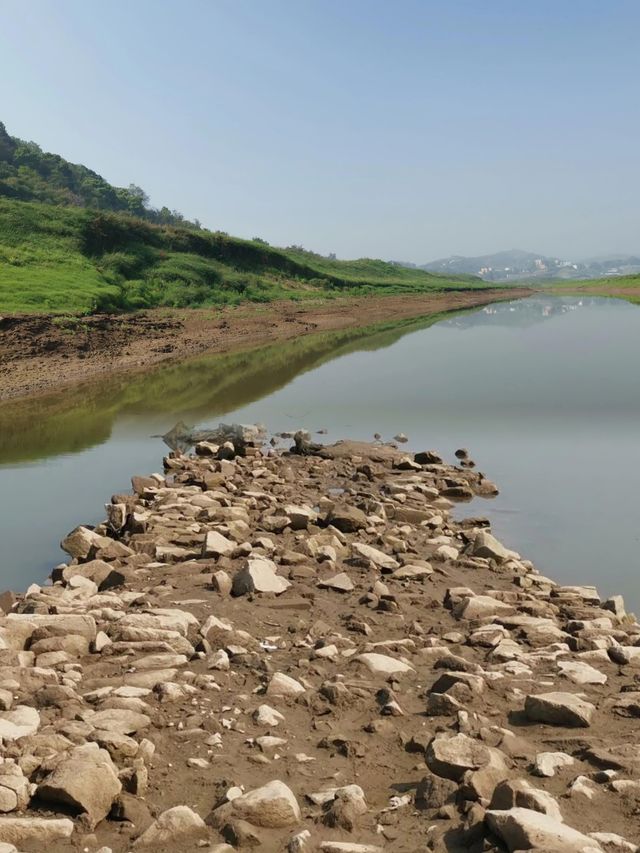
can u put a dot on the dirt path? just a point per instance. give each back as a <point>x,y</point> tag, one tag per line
<point>46,352</point>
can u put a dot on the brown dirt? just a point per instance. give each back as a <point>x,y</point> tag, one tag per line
<point>40,353</point>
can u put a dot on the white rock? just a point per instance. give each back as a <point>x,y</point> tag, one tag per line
<point>173,825</point>
<point>273,805</point>
<point>284,685</point>
<point>265,715</point>
<point>524,829</point>
<point>20,722</point>
<point>546,763</point>
<point>366,553</point>
<point>383,664</point>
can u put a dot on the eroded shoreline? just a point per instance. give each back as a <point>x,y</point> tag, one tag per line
<point>307,652</point>
<point>44,353</point>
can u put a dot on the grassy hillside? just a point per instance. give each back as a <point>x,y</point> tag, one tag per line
<point>621,287</point>
<point>73,259</point>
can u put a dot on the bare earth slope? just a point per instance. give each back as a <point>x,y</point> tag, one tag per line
<point>45,352</point>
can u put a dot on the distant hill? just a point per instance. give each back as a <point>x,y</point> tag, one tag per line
<point>27,173</point>
<point>517,265</point>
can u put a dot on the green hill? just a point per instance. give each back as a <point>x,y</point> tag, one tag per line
<point>71,242</point>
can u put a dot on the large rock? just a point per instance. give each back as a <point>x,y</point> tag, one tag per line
<point>217,545</point>
<point>559,709</point>
<point>34,830</point>
<point>284,685</point>
<point>581,673</point>
<point>119,720</point>
<point>480,607</point>
<point>174,825</point>
<point>526,829</point>
<point>259,575</point>
<point>452,757</point>
<point>366,554</point>
<point>348,519</point>
<point>85,782</point>
<point>518,792</point>
<point>382,664</point>
<point>273,805</point>
<point>22,721</point>
<point>486,545</point>
<point>82,541</point>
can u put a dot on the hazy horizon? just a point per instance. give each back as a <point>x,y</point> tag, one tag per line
<point>409,132</point>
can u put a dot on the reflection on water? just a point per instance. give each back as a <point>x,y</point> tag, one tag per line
<point>544,391</point>
<point>200,388</point>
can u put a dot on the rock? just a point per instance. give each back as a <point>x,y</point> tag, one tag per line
<point>346,518</point>
<point>525,829</point>
<point>348,847</point>
<point>481,606</point>
<point>222,583</point>
<point>367,554</point>
<point>546,763</point>
<point>428,457</point>
<point>217,545</point>
<point>452,757</point>
<point>283,685</point>
<point>340,583</point>
<point>382,664</point>
<point>82,541</point>
<point>434,792</point>
<point>174,825</point>
<point>267,716</point>
<point>615,604</point>
<point>581,673</point>
<point>273,805</point>
<point>486,545</point>
<point>559,709</point>
<point>259,575</point>
<point>300,516</point>
<point>34,830</point>
<point>20,722</point>
<point>119,720</point>
<point>519,792</point>
<point>86,782</point>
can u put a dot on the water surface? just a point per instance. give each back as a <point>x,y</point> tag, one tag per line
<point>544,391</point>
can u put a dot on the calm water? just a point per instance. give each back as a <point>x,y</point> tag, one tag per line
<point>545,392</point>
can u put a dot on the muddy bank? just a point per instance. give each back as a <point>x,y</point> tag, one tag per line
<point>306,652</point>
<point>46,352</point>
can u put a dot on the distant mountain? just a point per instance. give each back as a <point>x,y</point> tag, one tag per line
<point>517,265</point>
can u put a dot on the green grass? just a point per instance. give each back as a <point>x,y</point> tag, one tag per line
<point>77,260</point>
<point>625,287</point>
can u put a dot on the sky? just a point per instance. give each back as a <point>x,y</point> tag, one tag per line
<point>406,130</point>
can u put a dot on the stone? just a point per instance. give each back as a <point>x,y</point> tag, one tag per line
<point>547,763</point>
<point>34,830</point>
<point>283,685</point>
<point>365,553</point>
<point>217,545</point>
<point>434,792</point>
<point>525,829</point>
<point>481,606</point>
<point>486,545</point>
<point>265,715</point>
<point>581,673</point>
<point>119,720</point>
<point>85,782</point>
<point>82,541</point>
<point>452,757</point>
<point>20,722</point>
<point>347,519</point>
<point>222,583</point>
<point>519,792</point>
<point>259,575</point>
<point>559,709</point>
<point>348,847</point>
<point>174,825</point>
<point>273,805</point>
<point>300,516</point>
<point>382,664</point>
<point>340,583</point>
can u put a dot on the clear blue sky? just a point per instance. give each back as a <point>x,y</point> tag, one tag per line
<point>405,130</point>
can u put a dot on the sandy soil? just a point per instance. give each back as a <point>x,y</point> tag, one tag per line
<point>40,353</point>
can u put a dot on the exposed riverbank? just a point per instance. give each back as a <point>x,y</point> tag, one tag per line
<point>309,653</point>
<point>47,352</point>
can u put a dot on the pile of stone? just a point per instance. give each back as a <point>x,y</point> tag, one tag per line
<point>305,651</point>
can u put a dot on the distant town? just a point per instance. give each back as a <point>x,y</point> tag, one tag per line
<point>517,265</point>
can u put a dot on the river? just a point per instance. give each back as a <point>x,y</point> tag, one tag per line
<point>544,391</point>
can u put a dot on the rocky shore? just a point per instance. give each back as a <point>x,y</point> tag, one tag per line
<point>305,651</point>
